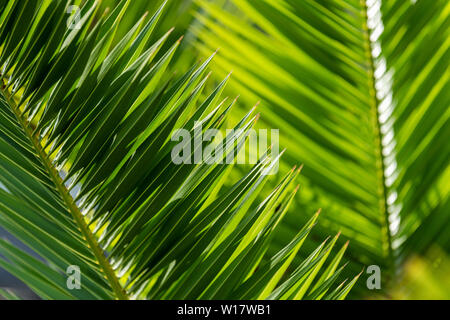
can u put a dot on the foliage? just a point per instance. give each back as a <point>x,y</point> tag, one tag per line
<point>87,178</point>
<point>361,93</point>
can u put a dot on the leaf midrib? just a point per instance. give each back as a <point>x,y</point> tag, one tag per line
<point>376,126</point>
<point>68,200</point>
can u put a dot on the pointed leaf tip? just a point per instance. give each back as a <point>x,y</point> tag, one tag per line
<point>180,39</point>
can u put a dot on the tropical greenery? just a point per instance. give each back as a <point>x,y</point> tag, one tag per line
<point>359,89</point>
<point>86,177</point>
<point>361,93</point>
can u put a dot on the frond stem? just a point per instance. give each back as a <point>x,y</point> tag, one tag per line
<point>381,178</point>
<point>73,208</point>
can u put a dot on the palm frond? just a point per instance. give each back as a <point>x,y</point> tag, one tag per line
<point>360,91</point>
<point>87,178</point>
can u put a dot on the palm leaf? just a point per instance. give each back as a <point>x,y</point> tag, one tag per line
<point>87,178</point>
<point>360,91</point>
